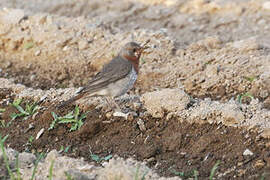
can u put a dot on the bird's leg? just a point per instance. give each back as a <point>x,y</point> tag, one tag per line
<point>111,102</point>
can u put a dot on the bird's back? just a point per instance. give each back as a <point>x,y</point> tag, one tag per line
<point>115,70</point>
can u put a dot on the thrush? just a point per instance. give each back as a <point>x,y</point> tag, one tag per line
<point>115,78</point>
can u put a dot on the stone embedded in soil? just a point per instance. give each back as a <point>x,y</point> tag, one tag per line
<point>165,100</point>
<point>247,152</point>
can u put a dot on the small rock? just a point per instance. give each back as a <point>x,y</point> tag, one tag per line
<point>120,114</point>
<point>247,152</point>
<point>31,126</point>
<point>108,115</point>
<point>151,159</point>
<point>169,100</point>
<point>65,48</point>
<point>43,98</point>
<point>38,52</point>
<point>141,125</point>
<point>40,133</point>
<point>34,115</point>
<point>33,77</point>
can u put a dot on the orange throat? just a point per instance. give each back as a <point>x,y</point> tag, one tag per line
<point>135,62</point>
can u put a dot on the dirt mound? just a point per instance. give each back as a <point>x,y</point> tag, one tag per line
<point>166,145</point>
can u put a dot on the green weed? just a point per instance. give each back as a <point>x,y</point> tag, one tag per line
<point>29,110</point>
<point>98,159</point>
<point>72,117</point>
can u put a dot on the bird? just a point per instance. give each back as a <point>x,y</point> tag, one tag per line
<point>115,78</point>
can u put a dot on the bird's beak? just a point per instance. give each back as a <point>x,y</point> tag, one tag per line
<point>141,49</point>
<point>138,52</point>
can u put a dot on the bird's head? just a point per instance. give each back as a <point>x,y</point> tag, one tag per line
<point>131,51</point>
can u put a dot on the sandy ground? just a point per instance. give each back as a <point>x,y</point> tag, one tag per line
<point>208,61</point>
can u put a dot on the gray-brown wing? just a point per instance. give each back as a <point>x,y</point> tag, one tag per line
<point>109,73</point>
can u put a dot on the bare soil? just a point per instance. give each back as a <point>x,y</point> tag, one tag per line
<point>166,145</point>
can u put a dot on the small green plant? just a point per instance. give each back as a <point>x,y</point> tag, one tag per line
<point>41,156</point>
<point>2,141</point>
<point>69,177</point>
<point>29,110</point>
<point>188,174</point>
<point>6,161</point>
<point>72,117</point>
<point>30,139</point>
<point>98,159</point>
<point>250,79</point>
<point>17,167</point>
<point>213,170</point>
<point>65,150</point>
<point>50,170</point>
<point>242,96</point>
<point>142,60</point>
<point>28,45</point>
<point>2,110</point>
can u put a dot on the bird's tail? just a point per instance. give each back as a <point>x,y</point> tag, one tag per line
<point>64,103</point>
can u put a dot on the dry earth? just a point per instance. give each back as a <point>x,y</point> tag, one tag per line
<point>203,93</point>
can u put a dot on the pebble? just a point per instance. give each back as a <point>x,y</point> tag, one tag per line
<point>40,133</point>
<point>247,152</point>
<point>33,77</point>
<point>108,115</point>
<point>141,125</point>
<point>120,114</point>
<point>65,48</point>
<point>38,52</point>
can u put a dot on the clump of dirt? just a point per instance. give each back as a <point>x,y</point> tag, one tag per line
<point>167,145</point>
